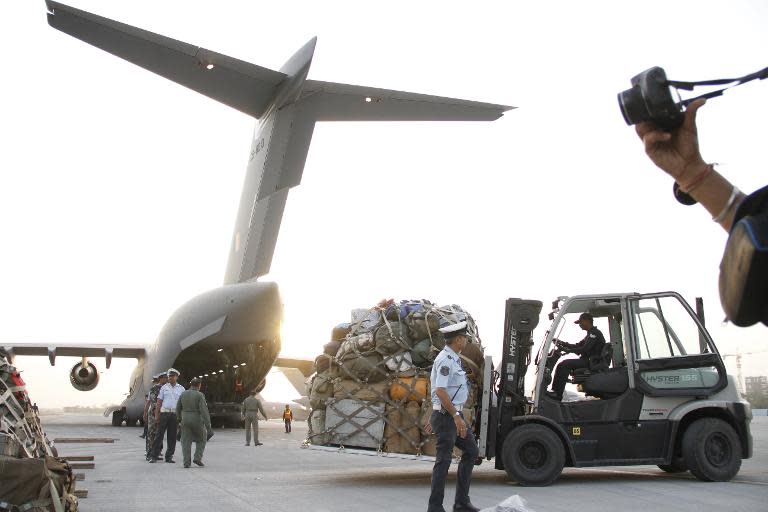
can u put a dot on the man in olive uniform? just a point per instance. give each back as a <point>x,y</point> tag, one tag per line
<point>149,412</point>
<point>450,389</point>
<point>195,423</point>
<point>249,411</point>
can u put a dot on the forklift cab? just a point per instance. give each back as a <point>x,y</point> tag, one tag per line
<point>655,345</point>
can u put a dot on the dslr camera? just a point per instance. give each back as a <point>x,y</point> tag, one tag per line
<point>650,99</point>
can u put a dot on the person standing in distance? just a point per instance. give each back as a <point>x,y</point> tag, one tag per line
<point>165,416</point>
<point>158,381</point>
<point>249,412</point>
<point>192,409</point>
<point>287,418</point>
<point>450,389</point>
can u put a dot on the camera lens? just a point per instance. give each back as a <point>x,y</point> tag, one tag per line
<point>632,106</point>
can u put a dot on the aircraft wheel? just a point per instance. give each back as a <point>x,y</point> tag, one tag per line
<point>712,450</point>
<point>131,422</point>
<point>533,455</point>
<point>676,466</point>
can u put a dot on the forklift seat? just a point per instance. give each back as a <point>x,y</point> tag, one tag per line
<point>597,364</point>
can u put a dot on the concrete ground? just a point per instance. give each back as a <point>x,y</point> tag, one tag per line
<point>281,476</point>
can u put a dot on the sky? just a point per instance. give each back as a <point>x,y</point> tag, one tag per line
<point>120,188</point>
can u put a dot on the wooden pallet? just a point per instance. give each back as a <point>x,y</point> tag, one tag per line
<point>61,440</point>
<point>77,458</point>
<point>82,465</point>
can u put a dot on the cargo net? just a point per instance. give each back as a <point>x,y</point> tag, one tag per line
<point>371,383</point>
<point>33,477</point>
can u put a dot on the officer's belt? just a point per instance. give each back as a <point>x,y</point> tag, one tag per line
<point>167,410</point>
<point>442,410</point>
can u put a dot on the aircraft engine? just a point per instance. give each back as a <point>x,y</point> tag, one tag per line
<point>84,376</point>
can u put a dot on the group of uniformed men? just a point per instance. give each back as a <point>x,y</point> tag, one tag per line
<point>167,403</point>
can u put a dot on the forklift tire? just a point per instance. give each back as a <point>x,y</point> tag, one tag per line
<point>533,455</point>
<point>676,466</point>
<point>712,450</point>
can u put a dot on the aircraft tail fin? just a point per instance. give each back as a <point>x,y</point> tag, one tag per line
<point>236,83</point>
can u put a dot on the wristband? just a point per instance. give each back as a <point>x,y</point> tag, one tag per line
<point>731,199</point>
<point>698,180</point>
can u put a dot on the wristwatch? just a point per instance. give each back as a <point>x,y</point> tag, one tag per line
<point>457,413</point>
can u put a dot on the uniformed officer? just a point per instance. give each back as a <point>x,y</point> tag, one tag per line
<point>249,411</point>
<point>591,345</point>
<point>165,416</point>
<point>158,381</point>
<point>195,423</point>
<point>450,390</point>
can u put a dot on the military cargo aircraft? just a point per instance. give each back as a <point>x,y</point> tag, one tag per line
<point>230,336</point>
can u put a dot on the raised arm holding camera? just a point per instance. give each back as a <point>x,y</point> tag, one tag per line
<point>671,141</point>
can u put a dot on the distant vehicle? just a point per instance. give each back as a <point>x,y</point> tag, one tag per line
<point>230,336</point>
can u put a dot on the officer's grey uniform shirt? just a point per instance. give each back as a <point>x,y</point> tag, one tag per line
<point>447,373</point>
<point>170,396</point>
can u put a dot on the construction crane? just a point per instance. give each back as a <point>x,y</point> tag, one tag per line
<point>739,377</point>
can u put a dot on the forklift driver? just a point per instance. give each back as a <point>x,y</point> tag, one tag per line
<point>591,345</point>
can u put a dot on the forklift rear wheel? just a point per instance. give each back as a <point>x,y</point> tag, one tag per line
<point>533,455</point>
<point>712,450</point>
<point>676,466</point>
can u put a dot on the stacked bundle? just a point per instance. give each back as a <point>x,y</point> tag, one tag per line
<point>33,479</point>
<point>371,386</point>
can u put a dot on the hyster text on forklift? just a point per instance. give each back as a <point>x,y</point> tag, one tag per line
<point>658,393</point>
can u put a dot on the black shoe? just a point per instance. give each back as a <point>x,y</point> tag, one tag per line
<point>186,465</point>
<point>152,460</point>
<point>466,507</point>
<point>554,396</point>
<point>257,444</point>
<point>142,436</point>
<point>170,461</point>
<point>199,463</point>
<point>247,444</point>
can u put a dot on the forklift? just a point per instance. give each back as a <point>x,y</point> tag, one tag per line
<point>658,393</point>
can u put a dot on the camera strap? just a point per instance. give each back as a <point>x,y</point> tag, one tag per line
<point>688,86</point>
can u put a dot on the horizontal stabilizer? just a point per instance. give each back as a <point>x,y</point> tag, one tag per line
<point>236,83</point>
<point>341,102</point>
<point>305,366</point>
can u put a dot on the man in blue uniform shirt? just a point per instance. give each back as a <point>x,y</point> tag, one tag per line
<point>450,390</point>
<point>591,345</point>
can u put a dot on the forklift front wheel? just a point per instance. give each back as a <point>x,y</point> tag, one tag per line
<point>712,450</point>
<point>533,455</point>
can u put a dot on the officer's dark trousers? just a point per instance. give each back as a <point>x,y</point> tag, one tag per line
<point>563,370</point>
<point>444,428</point>
<point>168,423</point>
<point>287,426</point>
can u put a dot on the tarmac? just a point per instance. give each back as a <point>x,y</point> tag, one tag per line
<point>282,476</point>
